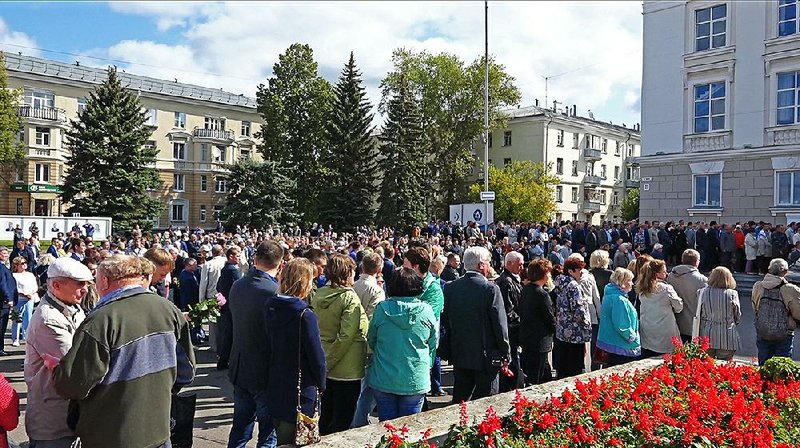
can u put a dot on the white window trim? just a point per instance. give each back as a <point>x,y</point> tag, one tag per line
<point>37,179</point>
<point>726,116</point>
<point>216,185</point>
<point>704,169</point>
<point>776,197</point>
<point>722,72</point>
<point>175,186</point>
<point>779,63</point>
<point>175,119</point>
<point>203,216</point>
<point>202,188</point>
<point>49,135</point>
<point>185,205</point>
<point>690,29</point>
<point>184,150</point>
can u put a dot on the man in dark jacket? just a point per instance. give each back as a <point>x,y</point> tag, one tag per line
<point>511,288</point>
<point>474,319</point>
<point>450,272</point>
<point>8,296</point>
<point>250,354</point>
<point>24,251</point>
<point>229,274</point>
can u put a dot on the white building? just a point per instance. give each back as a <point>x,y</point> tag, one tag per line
<point>721,111</point>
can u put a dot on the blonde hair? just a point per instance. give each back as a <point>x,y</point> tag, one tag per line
<point>599,259</point>
<point>297,278</point>
<point>647,281</point>
<point>339,270</point>
<point>160,257</point>
<point>620,276</point>
<point>121,267</point>
<point>722,278</point>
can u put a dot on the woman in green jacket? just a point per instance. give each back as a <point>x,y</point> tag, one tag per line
<point>343,330</point>
<point>402,335</point>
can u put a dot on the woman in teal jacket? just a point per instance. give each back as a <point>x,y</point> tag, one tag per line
<point>619,324</point>
<point>402,335</point>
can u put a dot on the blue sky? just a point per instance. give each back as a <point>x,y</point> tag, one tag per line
<point>234,45</point>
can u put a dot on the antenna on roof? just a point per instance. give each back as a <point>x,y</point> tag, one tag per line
<point>77,63</point>
<point>176,79</point>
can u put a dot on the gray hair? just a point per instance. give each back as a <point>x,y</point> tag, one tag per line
<point>513,256</point>
<point>473,257</point>
<point>778,266</point>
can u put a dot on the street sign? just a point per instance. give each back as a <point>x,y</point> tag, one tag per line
<point>487,195</point>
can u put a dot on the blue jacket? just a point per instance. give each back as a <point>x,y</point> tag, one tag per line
<point>230,273</point>
<point>189,291</point>
<point>619,324</point>
<point>282,317</point>
<point>8,287</point>
<point>52,251</point>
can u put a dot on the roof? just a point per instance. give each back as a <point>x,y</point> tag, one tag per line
<point>92,75</point>
<point>532,111</point>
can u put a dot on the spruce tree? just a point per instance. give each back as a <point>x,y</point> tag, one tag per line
<point>109,168</point>
<point>257,195</point>
<point>402,195</point>
<point>12,156</point>
<point>348,195</point>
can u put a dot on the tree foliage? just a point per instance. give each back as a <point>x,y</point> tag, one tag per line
<point>347,197</point>
<point>450,95</point>
<point>257,195</point>
<point>12,155</point>
<point>630,206</point>
<point>294,106</point>
<point>523,190</point>
<point>403,192</point>
<point>109,168</point>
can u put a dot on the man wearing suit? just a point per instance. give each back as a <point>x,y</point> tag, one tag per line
<point>24,251</point>
<point>230,273</point>
<point>474,320</point>
<point>249,357</point>
<point>8,296</point>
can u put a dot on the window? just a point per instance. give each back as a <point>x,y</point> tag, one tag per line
<point>709,107</point>
<point>180,120</point>
<point>222,185</point>
<point>246,128</point>
<point>21,135</point>
<point>490,161</point>
<point>151,117</point>
<point>203,183</point>
<point>575,138</point>
<point>39,99</point>
<point>559,166</point>
<point>244,152</point>
<point>507,161</point>
<point>616,149</point>
<point>507,138</point>
<point>560,138</point>
<point>217,210</point>
<point>631,150</point>
<point>42,172</point>
<point>574,217</point>
<point>603,171</point>
<point>788,187</point>
<point>574,167</point>
<point>177,212</point>
<point>178,182</point>
<point>20,176</point>
<point>590,168</point>
<point>81,105</point>
<point>490,139</point>
<point>150,145</point>
<point>202,213</point>
<point>631,173</point>
<point>179,150</point>
<point>787,17</point>
<point>574,194</point>
<point>710,27</point>
<point>616,173</point>
<point>615,198</point>
<point>222,158</point>
<point>19,206</point>
<point>43,136</point>
<point>707,190</point>
<point>204,152</point>
<point>602,196</point>
<point>215,123</point>
<point>60,178</point>
<point>788,101</point>
<point>559,193</point>
<point>605,146</point>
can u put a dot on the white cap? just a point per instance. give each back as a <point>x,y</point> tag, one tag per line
<point>68,267</point>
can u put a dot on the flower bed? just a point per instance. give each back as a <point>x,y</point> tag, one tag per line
<point>690,400</point>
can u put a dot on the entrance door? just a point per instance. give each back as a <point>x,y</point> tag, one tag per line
<point>41,207</point>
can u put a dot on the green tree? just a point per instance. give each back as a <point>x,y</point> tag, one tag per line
<point>523,189</point>
<point>450,95</point>
<point>630,206</point>
<point>257,195</point>
<point>294,106</point>
<point>109,168</point>
<point>12,155</point>
<point>402,193</point>
<point>347,199</point>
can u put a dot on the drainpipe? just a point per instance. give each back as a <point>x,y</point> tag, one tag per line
<point>547,139</point>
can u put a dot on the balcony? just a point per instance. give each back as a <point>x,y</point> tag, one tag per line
<point>591,207</point>
<point>631,183</point>
<point>217,136</point>
<point>47,115</point>
<point>710,141</point>
<point>592,154</point>
<point>591,179</point>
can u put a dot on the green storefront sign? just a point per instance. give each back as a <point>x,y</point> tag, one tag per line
<point>36,188</point>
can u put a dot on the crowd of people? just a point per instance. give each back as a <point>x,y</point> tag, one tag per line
<point>338,325</point>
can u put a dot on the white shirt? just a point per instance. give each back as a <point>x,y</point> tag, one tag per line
<point>26,284</point>
<point>209,276</point>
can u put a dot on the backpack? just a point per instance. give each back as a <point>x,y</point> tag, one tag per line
<point>772,323</point>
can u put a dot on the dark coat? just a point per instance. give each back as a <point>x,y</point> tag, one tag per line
<point>249,360</point>
<point>474,312</point>
<point>511,289</point>
<point>450,274</point>
<point>537,319</point>
<point>8,287</point>
<point>189,292</point>
<point>601,277</point>
<point>229,274</point>
<point>282,317</point>
<point>27,254</point>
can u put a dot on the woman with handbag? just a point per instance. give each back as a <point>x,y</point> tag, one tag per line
<point>719,313</point>
<point>297,361</point>
<point>402,334</point>
<point>659,304</point>
<point>619,325</point>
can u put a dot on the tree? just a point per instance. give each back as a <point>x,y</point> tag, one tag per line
<point>257,195</point>
<point>450,94</point>
<point>12,155</point>
<point>294,107</point>
<point>109,167</point>
<point>347,199</point>
<point>630,206</point>
<point>402,193</point>
<point>523,190</point>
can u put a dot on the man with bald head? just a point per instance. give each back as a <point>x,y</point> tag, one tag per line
<point>510,285</point>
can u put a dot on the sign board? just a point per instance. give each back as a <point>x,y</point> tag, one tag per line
<point>487,195</point>
<point>472,212</point>
<point>49,226</point>
<point>36,188</point>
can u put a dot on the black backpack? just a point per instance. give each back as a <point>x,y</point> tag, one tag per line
<point>772,321</point>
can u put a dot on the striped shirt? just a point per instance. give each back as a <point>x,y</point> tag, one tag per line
<point>720,312</point>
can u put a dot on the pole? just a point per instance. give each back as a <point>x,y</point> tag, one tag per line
<point>486,108</point>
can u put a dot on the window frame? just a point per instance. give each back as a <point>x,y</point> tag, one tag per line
<point>220,181</point>
<point>784,4</point>
<point>183,208</point>
<point>617,149</point>
<point>616,172</point>
<point>795,91</point>
<point>41,173</point>
<point>574,198</point>
<point>246,125</point>
<point>151,116</point>
<point>559,165</point>
<point>178,182</point>
<point>576,140</point>
<point>795,178</point>
<point>506,138</point>
<point>176,152</point>
<point>43,138</point>
<point>560,138</point>
<point>559,193</point>
<point>711,22</point>
<point>39,99</point>
<point>708,203</point>
<point>203,183</point>
<point>82,104</point>
<point>709,115</point>
<point>507,161</point>
<point>203,213</point>
<point>574,168</point>
<point>180,120</point>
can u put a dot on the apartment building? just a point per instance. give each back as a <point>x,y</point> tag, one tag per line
<point>721,111</point>
<point>592,158</point>
<point>196,130</point>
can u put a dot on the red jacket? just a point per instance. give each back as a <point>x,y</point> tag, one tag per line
<point>9,410</point>
<point>738,235</point>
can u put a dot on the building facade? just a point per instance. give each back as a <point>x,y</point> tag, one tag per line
<point>721,111</point>
<point>196,130</point>
<point>591,158</point>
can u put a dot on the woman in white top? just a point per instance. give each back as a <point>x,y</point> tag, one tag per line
<point>659,303</point>
<point>27,288</point>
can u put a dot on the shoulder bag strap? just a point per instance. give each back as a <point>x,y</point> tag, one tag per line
<point>299,357</point>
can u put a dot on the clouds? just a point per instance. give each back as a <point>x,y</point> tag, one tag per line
<point>9,40</point>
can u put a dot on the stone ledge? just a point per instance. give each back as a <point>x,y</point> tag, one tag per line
<point>440,420</point>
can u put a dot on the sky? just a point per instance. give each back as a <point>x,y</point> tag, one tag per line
<point>590,51</point>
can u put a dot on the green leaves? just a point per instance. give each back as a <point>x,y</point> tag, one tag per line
<point>12,155</point>
<point>524,191</point>
<point>205,311</point>
<point>630,206</point>
<point>258,195</point>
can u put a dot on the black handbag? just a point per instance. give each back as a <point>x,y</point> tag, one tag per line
<point>181,420</point>
<point>492,358</point>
